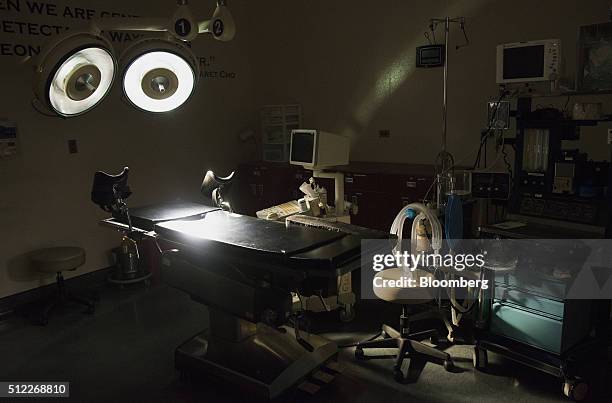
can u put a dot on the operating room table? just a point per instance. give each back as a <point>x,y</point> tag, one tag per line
<point>245,269</point>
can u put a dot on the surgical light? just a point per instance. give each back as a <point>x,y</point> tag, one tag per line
<point>75,74</point>
<point>77,70</point>
<point>159,76</point>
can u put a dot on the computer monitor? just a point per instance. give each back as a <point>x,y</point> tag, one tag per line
<point>315,149</point>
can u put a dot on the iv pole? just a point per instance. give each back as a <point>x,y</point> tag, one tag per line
<point>445,90</point>
<point>444,156</point>
<point>444,160</point>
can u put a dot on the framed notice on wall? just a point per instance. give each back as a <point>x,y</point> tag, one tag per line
<point>595,57</point>
<point>277,122</point>
<point>8,139</point>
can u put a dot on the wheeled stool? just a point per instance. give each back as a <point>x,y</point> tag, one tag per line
<point>407,344</point>
<point>57,260</point>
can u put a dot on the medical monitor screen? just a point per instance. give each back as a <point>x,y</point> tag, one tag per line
<point>302,146</point>
<point>431,56</point>
<point>524,62</point>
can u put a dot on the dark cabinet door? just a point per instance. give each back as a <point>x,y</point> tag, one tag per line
<point>259,186</point>
<point>379,196</point>
<point>375,210</point>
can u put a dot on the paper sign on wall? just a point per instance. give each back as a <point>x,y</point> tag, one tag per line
<point>8,139</point>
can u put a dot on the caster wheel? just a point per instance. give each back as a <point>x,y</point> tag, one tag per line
<point>576,390</point>
<point>398,375</point>
<point>43,321</point>
<point>449,365</point>
<point>90,310</point>
<point>347,313</point>
<point>359,353</point>
<point>479,358</point>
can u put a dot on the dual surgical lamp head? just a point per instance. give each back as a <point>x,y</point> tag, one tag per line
<point>77,71</point>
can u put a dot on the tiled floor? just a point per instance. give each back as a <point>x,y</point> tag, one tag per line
<point>125,353</point>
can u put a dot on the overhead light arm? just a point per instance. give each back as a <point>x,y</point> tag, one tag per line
<point>129,24</point>
<point>221,25</point>
<point>182,25</point>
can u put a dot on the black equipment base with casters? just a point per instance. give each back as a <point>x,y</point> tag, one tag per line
<point>408,347</point>
<point>61,298</point>
<point>566,367</point>
<point>266,364</point>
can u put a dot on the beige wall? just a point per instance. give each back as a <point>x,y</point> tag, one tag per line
<point>351,64</point>
<point>44,191</point>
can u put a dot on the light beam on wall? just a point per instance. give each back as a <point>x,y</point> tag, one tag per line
<point>392,76</point>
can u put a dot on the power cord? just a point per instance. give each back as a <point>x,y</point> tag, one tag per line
<point>467,41</point>
<point>490,127</point>
<point>565,111</point>
<point>461,309</point>
<point>432,28</point>
<point>508,166</point>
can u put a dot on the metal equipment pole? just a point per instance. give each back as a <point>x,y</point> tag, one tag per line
<point>445,94</point>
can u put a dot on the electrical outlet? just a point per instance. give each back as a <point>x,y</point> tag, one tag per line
<point>384,133</point>
<point>72,147</point>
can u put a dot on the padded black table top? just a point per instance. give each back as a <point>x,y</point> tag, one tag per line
<point>148,216</point>
<point>244,232</point>
<point>212,233</point>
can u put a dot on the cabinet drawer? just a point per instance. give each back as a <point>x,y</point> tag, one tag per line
<point>373,210</point>
<point>537,330</point>
<point>362,182</point>
<point>409,186</point>
<point>529,300</point>
<point>556,289</point>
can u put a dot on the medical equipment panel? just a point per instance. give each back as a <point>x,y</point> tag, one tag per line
<point>530,61</point>
<point>430,56</point>
<point>490,185</point>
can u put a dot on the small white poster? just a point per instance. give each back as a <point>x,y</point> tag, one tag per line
<point>8,139</point>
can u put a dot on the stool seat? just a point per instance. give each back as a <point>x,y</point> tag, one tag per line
<point>403,295</point>
<point>57,260</point>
